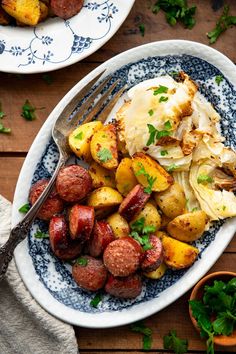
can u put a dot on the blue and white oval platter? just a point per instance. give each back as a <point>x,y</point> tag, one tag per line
<point>48,279</point>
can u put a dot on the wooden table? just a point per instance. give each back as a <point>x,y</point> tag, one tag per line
<point>14,90</point>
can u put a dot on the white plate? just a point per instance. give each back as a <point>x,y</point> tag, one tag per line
<point>48,279</point>
<point>56,43</point>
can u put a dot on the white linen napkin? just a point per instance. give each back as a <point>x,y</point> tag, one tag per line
<point>25,328</point>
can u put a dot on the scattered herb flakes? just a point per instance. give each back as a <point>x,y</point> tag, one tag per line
<point>168,125</point>
<point>141,233</point>
<point>48,79</point>
<point>79,136</point>
<point>2,114</point>
<point>142,29</point>
<point>224,207</point>
<point>171,167</point>
<point>172,342</point>
<point>164,152</point>
<point>161,133</point>
<point>224,22</point>
<point>81,261</point>
<point>96,300</point>
<point>4,130</point>
<point>150,179</point>
<point>28,111</point>
<point>159,90</point>
<point>152,134</point>
<point>40,234</point>
<point>194,209</point>
<point>104,155</point>
<point>140,327</point>
<point>203,179</point>
<point>163,99</point>
<point>151,112</point>
<point>24,208</point>
<point>218,79</point>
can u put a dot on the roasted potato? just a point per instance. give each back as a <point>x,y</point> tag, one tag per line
<point>158,273</point>
<point>120,127</point>
<point>125,178</point>
<point>25,11</point>
<point>188,227</point>
<point>150,214</point>
<point>43,11</point>
<point>4,17</point>
<point>104,147</point>
<point>101,177</point>
<point>104,197</point>
<point>177,254</point>
<point>164,222</point>
<point>145,168</point>
<point>79,139</point>
<point>119,225</point>
<point>172,201</point>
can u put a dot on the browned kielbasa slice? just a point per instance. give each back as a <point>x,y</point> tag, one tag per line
<point>66,8</point>
<point>153,257</point>
<point>133,202</point>
<point>63,247</point>
<point>127,287</point>
<point>52,205</point>
<point>81,221</point>
<point>101,237</point>
<point>91,275</point>
<point>73,183</point>
<point>122,257</point>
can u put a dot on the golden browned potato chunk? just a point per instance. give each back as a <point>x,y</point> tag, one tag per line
<point>4,17</point>
<point>188,227</point>
<point>43,11</point>
<point>104,197</point>
<point>172,201</point>
<point>79,139</point>
<point>150,174</point>
<point>177,254</point>
<point>119,225</point>
<point>25,11</point>
<point>104,147</point>
<point>101,177</point>
<point>158,273</point>
<point>125,178</point>
<point>150,215</point>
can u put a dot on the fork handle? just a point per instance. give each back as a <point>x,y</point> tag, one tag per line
<point>20,231</point>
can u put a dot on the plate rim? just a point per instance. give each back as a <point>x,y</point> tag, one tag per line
<point>125,316</point>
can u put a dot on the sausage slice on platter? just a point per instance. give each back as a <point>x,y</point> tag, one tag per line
<point>63,247</point>
<point>66,8</point>
<point>154,256</point>
<point>52,205</point>
<point>81,221</point>
<point>90,274</point>
<point>122,257</point>
<point>126,288</point>
<point>73,183</point>
<point>133,202</point>
<point>101,236</point>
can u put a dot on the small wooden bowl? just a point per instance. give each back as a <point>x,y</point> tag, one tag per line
<point>197,294</point>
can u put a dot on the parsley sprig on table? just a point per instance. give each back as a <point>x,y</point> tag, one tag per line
<point>141,233</point>
<point>178,345</point>
<point>28,111</point>
<point>140,327</point>
<point>3,129</point>
<point>224,22</point>
<point>218,303</point>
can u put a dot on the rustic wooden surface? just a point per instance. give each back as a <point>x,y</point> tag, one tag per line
<point>15,89</point>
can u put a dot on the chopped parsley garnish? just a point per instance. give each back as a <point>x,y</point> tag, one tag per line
<point>171,168</point>
<point>155,134</point>
<point>159,90</point>
<point>218,79</point>
<point>172,342</point>
<point>28,111</point>
<point>140,232</point>
<point>2,114</point>
<point>104,155</point>
<point>40,234</point>
<point>150,179</point>
<point>224,22</point>
<point>223,207</point>
<point>194,209</point>
<point>163,99</point>
<point>140,327</point>
<point>142,29</point>
<point>24,208</point>
<point>79,136</point>
<point>151,112</point>
<point>164,152</point>
<point>47,78</point>
<point>203,179</point>
<point>168,125</point>
<point>4,129</point>
<point>81,261</point>
<point>96,300</point>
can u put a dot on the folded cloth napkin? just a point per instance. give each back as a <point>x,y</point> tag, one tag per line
<point>25,328</point>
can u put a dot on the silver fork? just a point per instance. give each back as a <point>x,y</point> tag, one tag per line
<point>60,131</point>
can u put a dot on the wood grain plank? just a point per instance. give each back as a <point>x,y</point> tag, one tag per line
<point>174,316</point>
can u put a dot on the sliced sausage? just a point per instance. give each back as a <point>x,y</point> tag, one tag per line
<point>52,205</point>
<point>101,237</point>
<point>73,183</point>
<point>66,8</point>
<point>122,257</point>
<point>90,276</point>
<point>153,257</point>
<point>62,246</point>
<point>81,221</point>
<point>133,202</point>
<point>126,288</point>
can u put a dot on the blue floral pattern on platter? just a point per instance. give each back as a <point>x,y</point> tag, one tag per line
<point>55,274</point>
<point>48,49</point>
